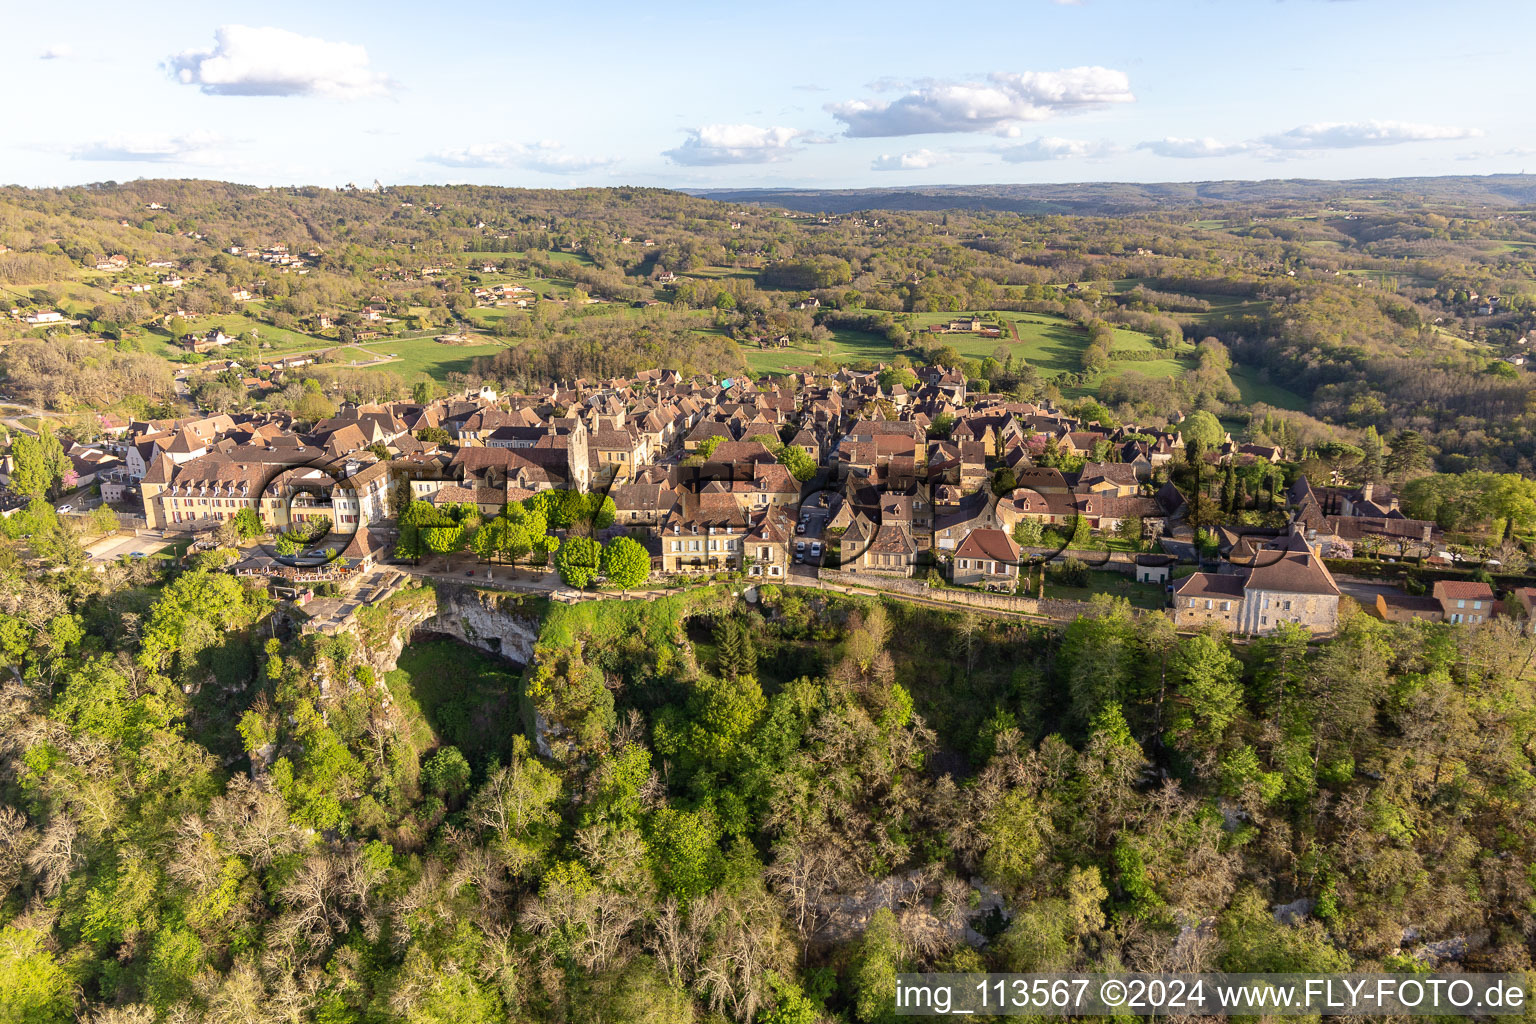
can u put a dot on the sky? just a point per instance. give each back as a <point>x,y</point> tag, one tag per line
<point>788,94</point>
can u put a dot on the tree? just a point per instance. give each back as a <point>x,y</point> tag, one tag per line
<point>444,538</point>
<point>561,508</point>
<point>798,461</point>
<point>103,520</point>
<point>40,462</point>
<point>602,511</point>
<point>1371,455</point>
<point>578,560</point>
<point>708,445</point>
<point>626,563</point>
<point>434,435</point>
<point>873,973</point>
<point>446,773</point>
<point>33,985</point>
<point>493,539</point>
<point>412,542</point>
<point>1409,457</point>
<point>1204,427</point>
<point>1209,691</point>
<point>248,524</point>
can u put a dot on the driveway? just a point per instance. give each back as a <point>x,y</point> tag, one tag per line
<point>1365,591</point>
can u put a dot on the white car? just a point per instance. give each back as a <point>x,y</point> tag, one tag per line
<point>66,508</point>
<point>816,549</point>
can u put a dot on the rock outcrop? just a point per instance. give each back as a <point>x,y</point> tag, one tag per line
<point>491,620</point>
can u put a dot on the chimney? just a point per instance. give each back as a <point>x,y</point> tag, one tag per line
<point>1367,490</point>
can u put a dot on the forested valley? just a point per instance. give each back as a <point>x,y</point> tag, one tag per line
<point>709,808</point>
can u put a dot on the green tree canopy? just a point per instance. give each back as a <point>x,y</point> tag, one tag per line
<point>626,563</point>
<point>578,561</point>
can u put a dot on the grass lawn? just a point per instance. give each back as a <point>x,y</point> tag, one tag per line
<point>845,346</point>
<point>718,273</point>
<point>454,695</point>
<point>236,324</point>
<point>1255,387</point>
<point>1054,344</point>
<point>1226,307</point>
<point>425,357</point>
<point>1105,581</point>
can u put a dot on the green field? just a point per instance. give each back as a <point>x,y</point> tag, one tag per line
<point>1255,387</point>
<point>844,346</point>
<point>719,273</point>
<point>1052,344</point>
<point>425,357</point>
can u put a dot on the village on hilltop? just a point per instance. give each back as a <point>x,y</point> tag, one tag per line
<point>815,476</point>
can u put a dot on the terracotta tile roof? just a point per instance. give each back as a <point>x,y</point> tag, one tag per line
<point>1463,590</point>
<point>991,544</point>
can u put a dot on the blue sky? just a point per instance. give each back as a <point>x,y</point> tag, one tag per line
<point>825,94</point>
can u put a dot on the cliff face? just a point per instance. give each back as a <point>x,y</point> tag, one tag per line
<point>491,620</point>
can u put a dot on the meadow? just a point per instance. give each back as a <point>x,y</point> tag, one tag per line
<point>426,357</point>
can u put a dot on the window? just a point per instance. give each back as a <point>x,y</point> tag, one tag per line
<point>1477,604</point>
<point>1264,620</point>
<point>1287,606</point>
<point>965,563</point>
<point>1226,606</point>
<point>1461,604</point>
<point>1207,604</point>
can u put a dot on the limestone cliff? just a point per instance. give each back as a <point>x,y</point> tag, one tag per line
<point>494,621</point>
<point>506,625</point>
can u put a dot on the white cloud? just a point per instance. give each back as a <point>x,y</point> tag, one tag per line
<point>1310,138</point>
<point>918,160</point>
<point>196,147</point>
<point>1193,149</point>
<point>545,156</point>
<point>990,105</point>
<point>58,51</point>
<point>1352,134</point>
<point>712,144</point>
<point>249,61</point>
<point>1489,154</point>
<point>1049,147</point>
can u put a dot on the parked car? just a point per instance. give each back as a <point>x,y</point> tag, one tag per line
<point>66,508</point>
<point>800,526</point>
<point>816,549</point>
